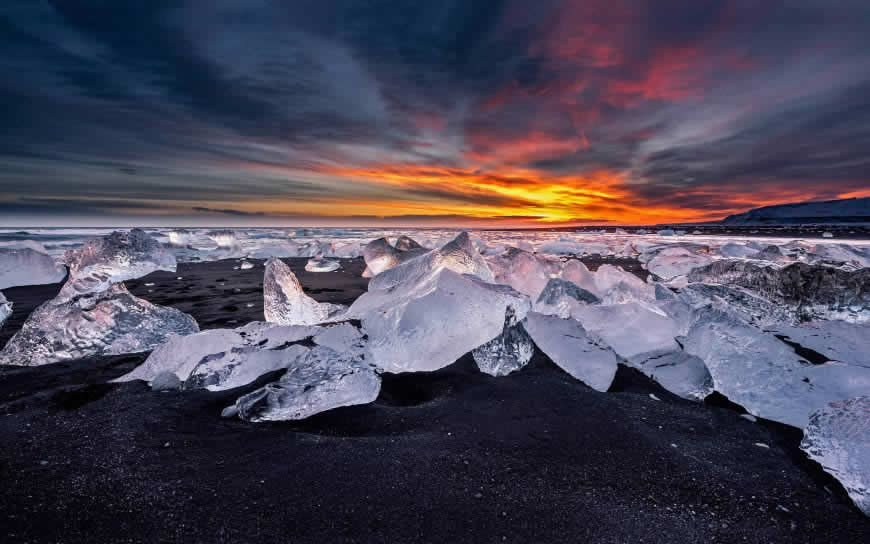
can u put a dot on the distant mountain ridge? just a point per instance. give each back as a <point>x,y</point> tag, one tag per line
<point>850,210</point>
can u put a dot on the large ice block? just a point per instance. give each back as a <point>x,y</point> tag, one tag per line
<point>25,266</point>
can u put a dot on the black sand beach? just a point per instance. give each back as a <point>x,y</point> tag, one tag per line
<point>449,456</point>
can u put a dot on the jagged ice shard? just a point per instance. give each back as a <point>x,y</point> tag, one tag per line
<point>227,358</point>
<point>568,345</point>
<point>379,255</point>
<point>320,380</point>
<point>94,314</point>
<point>458,255</point>
<point>5,309</point>
<point>838,438</point>
<point>509,351</point>
<point>25,266</point>
<point>522,270</point>
<point>284,301</point>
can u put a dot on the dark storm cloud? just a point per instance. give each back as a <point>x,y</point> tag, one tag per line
<point>202,104</point>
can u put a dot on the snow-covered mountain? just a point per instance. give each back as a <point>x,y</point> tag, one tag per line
<point>850,210</point>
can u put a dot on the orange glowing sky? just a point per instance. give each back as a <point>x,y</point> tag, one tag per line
<point>508,113</point>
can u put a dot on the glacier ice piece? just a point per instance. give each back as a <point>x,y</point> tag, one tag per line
<point>810,292</point>
<point>405,243</point>
<point>506,353</point>
<point>845,256</point>
<point>458,255</point>
<point>5,309</point>
<point>633,330</point>
<point>26,266</point>
<point>616,286</point>
<point>680,373</point>
<point>837,340</point>
<point>737,250</point>
<point>221,359</point>
<point>526,272</point>
<point>567,344</point>
<point>224,238</point>
<point>180,237</point>
<point>322,265</point>
<point>575,271</point>
<point>284,301</point>
<point>677,261</point>
<point>560,297</point>
<point>320,380</point>
<point>751,307</point>
<point>120,256</point>
<point>108,322</point>
<point>763,374</point>
<point>246,265</point>
<point>838,438</point>
<point>280,249</point>
<point>380,255</point>
<point>666,232</point>
<point>430,322</point>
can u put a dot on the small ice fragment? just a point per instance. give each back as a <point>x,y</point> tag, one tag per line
<point>246,265</point>
<point>149,284</point>
<point>652,396</point>
<point>321,265</point>
<point>749,417</point>
<point>827,235</point>
<point>762,445</point>
<point>509,351</point>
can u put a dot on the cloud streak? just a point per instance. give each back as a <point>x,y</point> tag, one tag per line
<point>502,111</point>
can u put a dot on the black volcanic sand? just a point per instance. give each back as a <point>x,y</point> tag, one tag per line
<point>449,456</point>
<point>218,296</point>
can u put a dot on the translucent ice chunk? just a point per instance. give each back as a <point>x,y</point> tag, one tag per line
<point>569,346</point>
<point>526,272</point>
<point>633,330</point>
<point>246,265</point>
<point>227,358</point>
<point>28,267</point>
<point>763,374</point>
<point>321,265</point>
<point>810,292</point>
<point>838,438</point>
<point>678,372</point>
<point>837,340</point>
<point>284,301</point>
<point>561,297</point>
<point>509,351</point>
<point>120,256</point>
<point>673,262</point>
<point>380,255</point>
<point>458,255</point>
<point>575,271</point>
<point>180,237</point>
<point>430,322</point>
<point>321,380</point>
<point>223,238</point>
<point>108,322</point>
<point>5,309</point>
<point>405,243</point>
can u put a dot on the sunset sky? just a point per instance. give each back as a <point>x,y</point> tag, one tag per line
<point>465,112</point>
